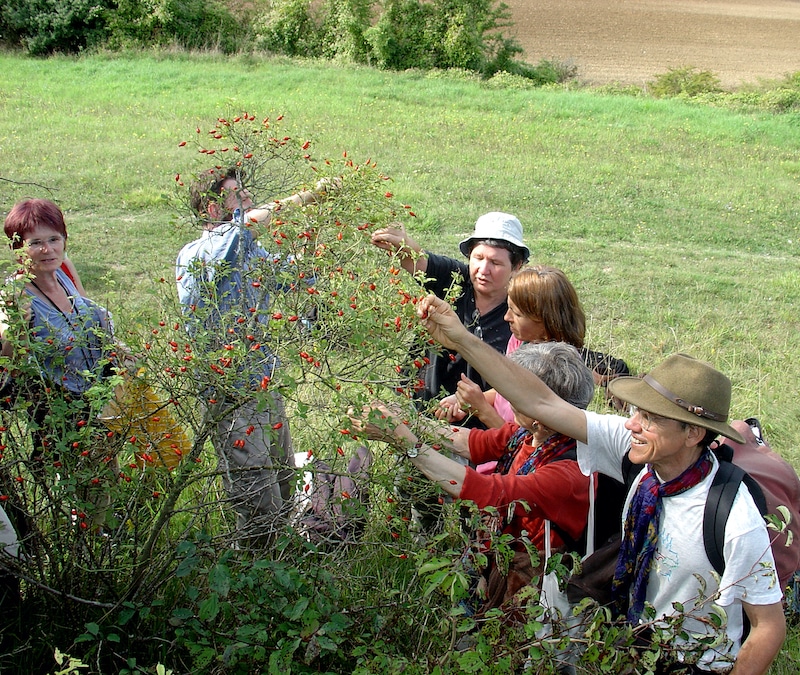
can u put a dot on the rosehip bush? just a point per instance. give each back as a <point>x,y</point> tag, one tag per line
<point>123,524</point>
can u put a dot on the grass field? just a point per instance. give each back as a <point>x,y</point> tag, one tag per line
<point>679,225</point>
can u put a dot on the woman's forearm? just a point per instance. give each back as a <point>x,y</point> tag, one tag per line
<point>446,472</point>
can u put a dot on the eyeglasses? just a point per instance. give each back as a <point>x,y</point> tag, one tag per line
<point>646,419</point>
<point>50,242</point>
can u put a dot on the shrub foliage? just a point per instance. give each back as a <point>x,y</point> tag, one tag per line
<point>394,34</point>
<point>686,81</point>
<point>46,26</point>
<point>116,497</point>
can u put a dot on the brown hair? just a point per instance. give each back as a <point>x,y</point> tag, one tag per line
<point>208,184</point>
<point>516,254</point>
<point>29,214</point>
<point>545,294</point>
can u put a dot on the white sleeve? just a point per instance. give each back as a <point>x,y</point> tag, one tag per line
<point>607,441</point>
<point>750,573</point>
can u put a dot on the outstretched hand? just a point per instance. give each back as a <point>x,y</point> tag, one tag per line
<point>439,319</point>
<point>449,409</point>
<point>327,185</point>
<point>380,422</point>
<point>471,397</point>
<point>394,239</point>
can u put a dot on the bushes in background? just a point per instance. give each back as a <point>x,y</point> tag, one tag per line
<point>70,26</point>
<point>394,34</point>
<point>46,26</point>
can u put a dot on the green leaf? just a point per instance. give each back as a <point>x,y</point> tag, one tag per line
<point>327,643</point>
<point>209,608</point>
<point>718,616</point>
<point>186,567</point>
<point>337,623</point>
<point>203,657</point>
<point>85,637</point>
<point>220,580</point>
<point>435,564</point>
<point>294,613</point>
<point>126,614</point>
<point>182,613</point>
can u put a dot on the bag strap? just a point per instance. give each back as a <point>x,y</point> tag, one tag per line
<point>720,498</point>
<point>718,508</point>
<point>547,549</point>
<point>629,470</point>
<point>573,544</point>
<point>576,544</point>
<point>590,518</point>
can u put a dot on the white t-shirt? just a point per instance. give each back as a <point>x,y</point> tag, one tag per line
<point>681,558</point>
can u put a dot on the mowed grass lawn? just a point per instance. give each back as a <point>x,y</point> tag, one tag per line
<point>678,224</point>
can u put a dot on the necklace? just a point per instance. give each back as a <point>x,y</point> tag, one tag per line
<point>51,301</point>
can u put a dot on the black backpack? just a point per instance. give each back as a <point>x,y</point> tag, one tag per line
<point>719,501</point>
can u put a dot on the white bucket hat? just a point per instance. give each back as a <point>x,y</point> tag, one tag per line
<point>496,225</point>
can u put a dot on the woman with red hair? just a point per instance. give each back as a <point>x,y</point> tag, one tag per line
<point>543,306</point>
<point>72,335</point>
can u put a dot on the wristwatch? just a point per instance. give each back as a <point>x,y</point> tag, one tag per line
<point>413,451</point>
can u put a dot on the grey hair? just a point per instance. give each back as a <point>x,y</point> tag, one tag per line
<point>561,368</point>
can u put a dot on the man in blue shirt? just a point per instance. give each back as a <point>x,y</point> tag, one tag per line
<point>251,438</point>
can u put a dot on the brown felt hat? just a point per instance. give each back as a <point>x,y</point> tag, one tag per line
<point>682,388</point>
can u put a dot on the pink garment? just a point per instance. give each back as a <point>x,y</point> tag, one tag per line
<point>501,404</point>
<point>486,468</point>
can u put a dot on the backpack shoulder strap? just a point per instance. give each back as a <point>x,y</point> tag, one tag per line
<point>718,507</point>
<point>629,470</point>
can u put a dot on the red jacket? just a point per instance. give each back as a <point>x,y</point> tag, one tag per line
<point>556,491</point>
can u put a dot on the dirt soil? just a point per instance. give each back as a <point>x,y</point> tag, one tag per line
<point>630,41</point>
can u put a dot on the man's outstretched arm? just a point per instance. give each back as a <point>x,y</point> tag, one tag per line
<point>526,392</point>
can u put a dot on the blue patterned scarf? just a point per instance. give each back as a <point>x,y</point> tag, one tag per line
<point>640,536</point>
<point>553,448</point>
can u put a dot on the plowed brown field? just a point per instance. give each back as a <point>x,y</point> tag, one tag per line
<point>630,41</point>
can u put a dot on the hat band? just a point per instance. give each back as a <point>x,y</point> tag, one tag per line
<point>698,410</point>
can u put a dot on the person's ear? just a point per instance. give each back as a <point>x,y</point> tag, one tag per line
<point>214,210</point>
<point>696,434</point>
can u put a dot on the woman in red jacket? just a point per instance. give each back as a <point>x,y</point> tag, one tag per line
<point>535,465</point>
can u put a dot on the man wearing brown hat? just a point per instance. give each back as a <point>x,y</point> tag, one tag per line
<point>676,411</point>
<point>495,250</point>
